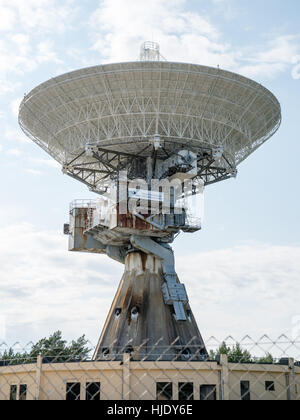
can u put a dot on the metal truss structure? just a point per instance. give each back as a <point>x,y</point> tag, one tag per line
<point>100,120</point>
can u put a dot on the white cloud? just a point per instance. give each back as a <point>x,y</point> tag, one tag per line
<point>226,8</point>
<point>21,42</point>
<point>46,53</point>
<point>27,32</point>
<point>12,134</point>
<point>276,57</point>
<point>34,172</point>
<point>6,85</point>
<point>28,40</point>
<point>14,106</point>
<point>44,287</point>
<point>7,17</point>
<point>250,289</point>
<point>33,15</point>
<point>20,54</point>
<point>31,165</point>
<point>296,67</point>
<point>13,59</point>
<point>184,36</point>
<point>51,163</point>
<point>14,152</point>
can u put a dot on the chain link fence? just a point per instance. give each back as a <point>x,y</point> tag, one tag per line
<point>263,369</point>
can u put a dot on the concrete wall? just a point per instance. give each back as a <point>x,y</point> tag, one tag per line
<point>134,380</point>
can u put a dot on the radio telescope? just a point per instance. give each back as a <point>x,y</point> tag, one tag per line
<point>147,136</point>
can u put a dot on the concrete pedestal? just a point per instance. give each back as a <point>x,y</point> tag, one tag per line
<point>140,323</point>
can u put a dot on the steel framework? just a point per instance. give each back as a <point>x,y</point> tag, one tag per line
<point>117,109</point>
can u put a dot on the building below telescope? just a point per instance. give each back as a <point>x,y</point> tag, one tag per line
<point>133,379</point>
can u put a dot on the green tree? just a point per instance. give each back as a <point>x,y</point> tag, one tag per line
<point>54,348</point>
<point>268,358</point>
<point>14,358</point>
<point>223,349</point>
<point>237,354</point>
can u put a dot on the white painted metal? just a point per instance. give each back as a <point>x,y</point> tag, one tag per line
<point>150,51</point>
<point>123,107</point>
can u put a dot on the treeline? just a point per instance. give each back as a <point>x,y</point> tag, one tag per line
<point>53,349</point>
<point>56,350</point>
<point>236,354</point>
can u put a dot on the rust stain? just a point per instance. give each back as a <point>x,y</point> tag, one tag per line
<point>132,222</point>
<point>127,297</point>
<point>84,237</point>
<point>79,218</point>
<point>144,259</point>
<point>82,224</point>
<point>85,218</point>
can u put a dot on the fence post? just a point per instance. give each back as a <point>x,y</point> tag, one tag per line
<point>220,385</point>
<point>39,365</point>
<point>126,377</point>
<point>225,377</point>
<point>293,379</point>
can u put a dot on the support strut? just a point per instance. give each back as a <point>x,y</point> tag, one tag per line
<point>174,293</point>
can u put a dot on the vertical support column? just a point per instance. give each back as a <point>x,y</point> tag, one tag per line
<point>225,377</point>
<point>126,377</point>
<point>220,385</point>
<point>288,387</point>
<point>292,379</point>
<point>38,375</point>
<point>149,171</point>
<point>82,390</point>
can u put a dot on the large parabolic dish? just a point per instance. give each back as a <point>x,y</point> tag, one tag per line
<point>121,107</point>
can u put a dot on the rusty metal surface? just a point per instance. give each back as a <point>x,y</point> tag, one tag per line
<point>78,240</point>
<point>140,288</point>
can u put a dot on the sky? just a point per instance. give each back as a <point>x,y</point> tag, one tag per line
<point>242,271</point>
